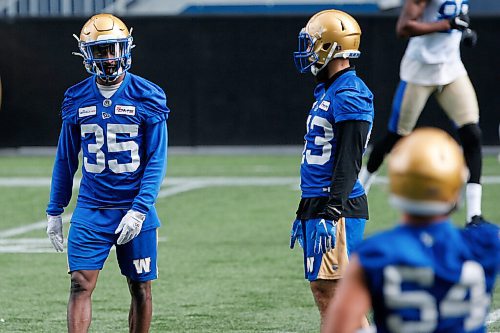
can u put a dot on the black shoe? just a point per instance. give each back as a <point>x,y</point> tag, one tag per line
<point>475,221</point>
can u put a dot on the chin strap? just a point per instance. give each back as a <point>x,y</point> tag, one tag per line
<point>315,70</point>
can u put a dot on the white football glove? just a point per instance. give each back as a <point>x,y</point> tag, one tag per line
<point>130,226</point>
<point>54,231</point>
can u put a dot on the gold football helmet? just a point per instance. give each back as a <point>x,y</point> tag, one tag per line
<point>105,44</point>
<point>329,34</point>
<point>426,172</point>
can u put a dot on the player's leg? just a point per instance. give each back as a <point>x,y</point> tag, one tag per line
<point>137,261</point>
<point>141,306</point>
<point>325,270</point>
<point>79,314</point>
<point>87,252</point>
<point>459,101</point>
<point>407,105</point>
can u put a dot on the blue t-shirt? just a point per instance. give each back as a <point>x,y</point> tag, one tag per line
<point>123,141</point>
<point>435,278</point>
<point>348,98</point>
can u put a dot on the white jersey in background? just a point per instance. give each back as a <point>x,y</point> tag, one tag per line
<point>434,59</point>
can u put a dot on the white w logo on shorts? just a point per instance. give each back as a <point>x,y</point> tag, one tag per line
<point>310,264</point>
<point>142,265</point>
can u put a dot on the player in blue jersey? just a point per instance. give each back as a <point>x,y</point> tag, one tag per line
<point>118,121</point>
<point>424,275</point>
<point>333,208</point>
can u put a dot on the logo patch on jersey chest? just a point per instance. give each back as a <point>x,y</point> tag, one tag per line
<point>87,111</point>
<point>126,110</point>
<point>324,105</point>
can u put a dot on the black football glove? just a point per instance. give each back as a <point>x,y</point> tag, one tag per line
<point>460,22</point>
<point>332,212</point>
<point>469,38</point>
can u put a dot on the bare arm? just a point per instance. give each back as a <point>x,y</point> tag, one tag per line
<point>409,25</point>
<point>352,301</point>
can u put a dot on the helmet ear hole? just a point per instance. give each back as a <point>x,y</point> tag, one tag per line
<point>326,46</point>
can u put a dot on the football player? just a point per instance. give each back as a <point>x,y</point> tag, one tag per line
<point>333,208</point>
<point>432,65</point>
<point>118,121</point>
<point>424,275</point>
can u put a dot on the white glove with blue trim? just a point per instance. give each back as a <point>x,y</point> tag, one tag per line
<point>130,226</point>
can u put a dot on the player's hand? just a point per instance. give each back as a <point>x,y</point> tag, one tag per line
<point>324,236</point>
<point>332,212</point>
<point>460,22</point>
<point>296,234</point>
<point>469,38</point>
<point>130,226</point>
<point>54,231</point>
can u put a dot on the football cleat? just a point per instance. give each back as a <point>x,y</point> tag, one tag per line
<point>329,34</point>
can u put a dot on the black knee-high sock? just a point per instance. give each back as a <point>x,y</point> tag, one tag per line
<point>470,136</point>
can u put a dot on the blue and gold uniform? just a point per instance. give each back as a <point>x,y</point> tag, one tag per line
<point>123,140</point>
<point>338,128</point>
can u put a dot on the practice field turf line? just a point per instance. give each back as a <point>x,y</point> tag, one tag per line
<point>178,185</point>
<point>204,181</point>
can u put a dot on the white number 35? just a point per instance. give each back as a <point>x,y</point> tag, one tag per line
<point>113,147</point>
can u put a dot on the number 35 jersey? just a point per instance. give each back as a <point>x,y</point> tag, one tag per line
<point>435,278</point>
<point>123,140</point>
<point>346,99</point>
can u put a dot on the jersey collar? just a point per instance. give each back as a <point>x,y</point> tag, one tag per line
<point>98,94</point>
<point>330,81</point>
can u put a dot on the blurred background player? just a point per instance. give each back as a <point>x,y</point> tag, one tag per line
<point>424,275</point>
<point>118,120</point>
<point>333,209</point>
<point>432,65</point>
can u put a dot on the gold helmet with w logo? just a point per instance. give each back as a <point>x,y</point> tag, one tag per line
<point>105,44</point>
<point>329,34</point>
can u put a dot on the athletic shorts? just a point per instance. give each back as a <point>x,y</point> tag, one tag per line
<point>458,100</point>
<point>331,265</point>
<point>88,250</point>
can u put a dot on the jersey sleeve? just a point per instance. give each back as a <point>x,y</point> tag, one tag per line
<point>69,112</point>
<point>353,103</point>
<point>351,140</point>
<point>65,166</point>
<point>156,164</point>
<point>155,106</point>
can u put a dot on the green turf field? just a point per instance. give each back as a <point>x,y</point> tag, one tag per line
<point>224,260</point>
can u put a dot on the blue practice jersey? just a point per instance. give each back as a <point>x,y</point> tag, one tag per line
<point>348,98</point>
<point>123,141</point>
<point>431,279</point>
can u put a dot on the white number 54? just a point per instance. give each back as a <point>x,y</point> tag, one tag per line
<point>474,310</point>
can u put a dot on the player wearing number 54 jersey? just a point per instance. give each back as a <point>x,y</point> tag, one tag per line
<point>333,209</point>
<point>424,275</point>
<point>118,121</point>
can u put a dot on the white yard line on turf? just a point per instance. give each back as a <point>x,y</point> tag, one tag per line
<point>207,181</point>
<point>177,185</point>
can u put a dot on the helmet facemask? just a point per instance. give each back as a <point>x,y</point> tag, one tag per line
<point>307,57</point>
<point>107,59</point>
